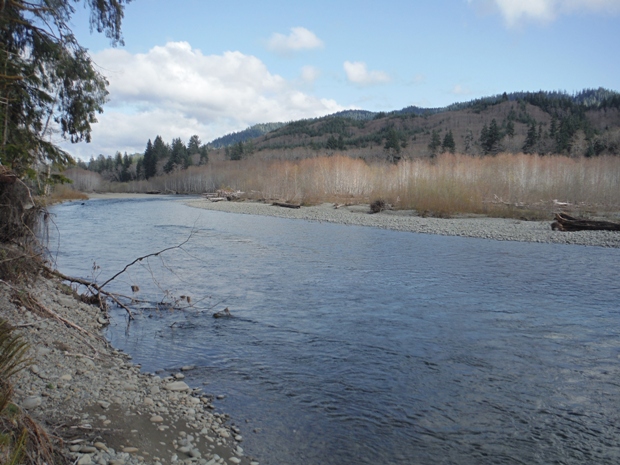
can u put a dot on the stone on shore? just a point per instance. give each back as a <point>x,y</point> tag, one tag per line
<point>177,386</point>
<point>32,402</point>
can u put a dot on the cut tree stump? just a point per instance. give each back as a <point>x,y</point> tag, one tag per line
<point>564,222</point>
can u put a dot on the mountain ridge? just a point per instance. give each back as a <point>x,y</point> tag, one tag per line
<point>582,123</point>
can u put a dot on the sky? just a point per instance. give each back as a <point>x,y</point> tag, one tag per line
<point>210,68</point>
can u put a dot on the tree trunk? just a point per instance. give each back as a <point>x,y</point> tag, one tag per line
<point>564,222</point>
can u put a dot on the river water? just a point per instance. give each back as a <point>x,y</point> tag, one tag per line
<point>353,345</point>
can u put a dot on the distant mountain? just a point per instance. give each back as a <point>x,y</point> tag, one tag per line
<point>584,123</point>
<point>358,115</point>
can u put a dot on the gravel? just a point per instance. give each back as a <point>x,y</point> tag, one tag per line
<point>499,229</point>
<point>106,410</point>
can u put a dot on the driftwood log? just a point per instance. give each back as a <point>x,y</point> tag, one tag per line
<point>285,205</point>
<point>564,222</point>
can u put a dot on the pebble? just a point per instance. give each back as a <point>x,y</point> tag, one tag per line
<point>177,386</point>
<point>31,402</point>
<point>130,450</point>
<point>104,404</point>
<point>84,460</point>
<point>157,419</point>
<point>101,446</point>
<point>234,460</point>
<point>179,376</point>
<point>188,367</point>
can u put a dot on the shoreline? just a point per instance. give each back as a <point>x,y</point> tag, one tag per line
<point>481,227</point>
<point>107,412</point>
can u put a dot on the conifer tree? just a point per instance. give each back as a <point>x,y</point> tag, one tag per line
<point>448,144</point>
<point>531,139</point>
<point>490,138</point>
<point>47,77</point>
<point>160,149</point>
<point>193,146</point>
<point>178,156</point>
<point>149,161</point>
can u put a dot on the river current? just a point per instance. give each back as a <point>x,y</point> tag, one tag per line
<point>354,345</point>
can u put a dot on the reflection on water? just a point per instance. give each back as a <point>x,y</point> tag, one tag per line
<point>355,345</point>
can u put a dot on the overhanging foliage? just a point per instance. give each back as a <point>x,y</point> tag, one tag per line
<point>48,82</point>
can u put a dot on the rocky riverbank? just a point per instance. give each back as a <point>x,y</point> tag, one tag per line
<point>399,220</point>
<point>103,407</point>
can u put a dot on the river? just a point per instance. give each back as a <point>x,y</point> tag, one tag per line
<point>357,345</point>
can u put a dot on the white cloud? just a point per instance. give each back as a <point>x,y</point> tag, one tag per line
<point>299,39</point>
<point>357,73</point>
<point>458,89</point>
<point>309,74</point>
<point>176,91</point>
<point>517,11</point>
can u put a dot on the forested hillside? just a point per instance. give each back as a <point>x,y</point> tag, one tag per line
<point>584,124</point>
<point>242,136</point>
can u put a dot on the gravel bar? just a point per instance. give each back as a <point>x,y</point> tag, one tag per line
<point>499,229</point>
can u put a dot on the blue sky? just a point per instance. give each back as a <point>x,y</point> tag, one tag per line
<point>211,68</point>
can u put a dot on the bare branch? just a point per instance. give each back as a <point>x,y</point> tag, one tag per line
<point>139,259</point>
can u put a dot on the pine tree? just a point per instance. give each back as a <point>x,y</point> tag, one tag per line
<point>149,161</point>
<point>448,144</point>
<point>160,149</point>
<point>178,156</point>
<point>530,140</point>
<point>510,129</point>
<point>435,143</point>
<point>490,138</point>
<point>193,146</point>
<point>236,151</point>
<point>395,141</point>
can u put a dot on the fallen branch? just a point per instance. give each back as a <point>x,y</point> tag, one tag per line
<point>139,259</point>
<point>90,285</point>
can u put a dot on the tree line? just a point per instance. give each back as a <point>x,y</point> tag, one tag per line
<point>158,158</point>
